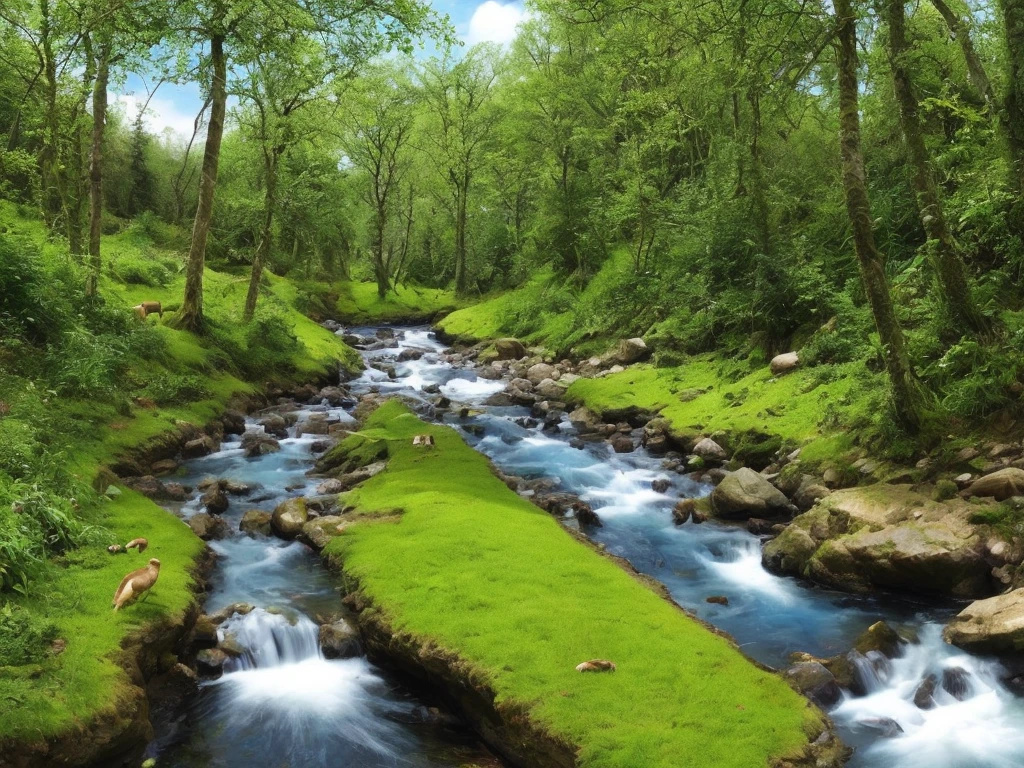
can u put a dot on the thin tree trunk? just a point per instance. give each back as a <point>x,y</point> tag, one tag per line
<point>461,279</point>
<point>380,271</point>
<point>99,117</point>
<point>267,237</point>
<point>49,165</point>
<point>907,395</point>
<point>942,249</point>
<point>961,32</point>
<point>190,316</point>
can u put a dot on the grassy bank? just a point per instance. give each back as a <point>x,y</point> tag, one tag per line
<point>357,303</point>
<point>81,383</point>
<point>477,570</point>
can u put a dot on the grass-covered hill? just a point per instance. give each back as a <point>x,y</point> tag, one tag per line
<point>82,381</point>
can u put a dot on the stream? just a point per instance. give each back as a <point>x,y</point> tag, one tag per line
<point>282,703</point>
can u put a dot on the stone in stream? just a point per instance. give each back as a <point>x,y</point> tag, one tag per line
<point>147,485</point>
<point>994,625</point>
<point>709,450</point>
<point>684,510</point>
<point>539,372</point>
<point>215,500</point>
<point>956,681</point>
<point>255,522</point>
<point>660,484</point>
<point>274,425</point>
<point>744,494</point>
<point>233,421</point>
<point>207,527</point>
<point>717,600</point>
<point>882,638</point>
<point>339,640</point>
<point>885,727</point>
<point>201,446</point>
<point>813,680</point>
<point>210,662</point>
<point>164,467</point>
<point>289,517</point>
<point>925,693</point>
<point>622,444</point>
<point>317,533</point>
<point>255,444</point>
<point>585,515</point>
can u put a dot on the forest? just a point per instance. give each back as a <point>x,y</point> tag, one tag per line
<point>762,258</point>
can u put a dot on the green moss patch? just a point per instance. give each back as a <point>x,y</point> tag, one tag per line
<point>358,303</point>
<point>477,570</point>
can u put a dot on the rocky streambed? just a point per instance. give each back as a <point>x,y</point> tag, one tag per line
<point>674,506</point>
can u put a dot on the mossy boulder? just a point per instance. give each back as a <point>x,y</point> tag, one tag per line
<point>990,626</point>
<point>744,494</point>
<point>352,453</point>
<point>289,517</point>
<point>885,536</point>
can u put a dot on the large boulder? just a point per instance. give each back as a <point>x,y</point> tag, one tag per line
<point>1000,485</point>
<point>784,363</point>
<point>255,522</point>
<point>813,680</point>
<point>215,499</point>
<point>990,626</point>
<point>744,494</point>
<point>510,349</point>
<point>207,527</point>
<point>289,517</point>
<point>885,536</point>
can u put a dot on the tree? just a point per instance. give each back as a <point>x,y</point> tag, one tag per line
<point>458,95</point>
<point>945,255</point>
<point>907,395</point>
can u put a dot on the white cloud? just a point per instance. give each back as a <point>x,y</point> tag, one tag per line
<point>495,22</point>
<point>161,114</point>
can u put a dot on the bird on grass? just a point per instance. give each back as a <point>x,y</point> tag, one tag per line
<point>136,583</point>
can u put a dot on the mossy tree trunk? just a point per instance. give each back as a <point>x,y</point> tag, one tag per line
<point>961,32</point>
<point>942,248</point>
<point>907,395</point>
<point>190,316</point>
<point>271,164</point>
<point>461,274</point>
<point>1013,103</point>
<point>99,118</point>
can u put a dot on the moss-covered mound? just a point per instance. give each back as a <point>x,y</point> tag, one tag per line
<point>478,572</point>
<point>357,303</point>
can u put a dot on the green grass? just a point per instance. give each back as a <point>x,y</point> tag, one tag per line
<point>358,303</point>
<point>708,395</point>
<point>74,686</point>
<point>479,571</point>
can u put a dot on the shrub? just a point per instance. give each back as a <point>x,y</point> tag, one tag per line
<point>23,638</point>
<point>175,389</point>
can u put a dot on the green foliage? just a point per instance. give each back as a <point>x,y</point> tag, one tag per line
<point>176,389</point>
<point>24,639</point>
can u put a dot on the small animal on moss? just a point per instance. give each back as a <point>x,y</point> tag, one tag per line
<point>136,583</point>
<point>147,308</point>
<point>139,544</point>
<point>425,441</point>
<point>596,665</point>
<point>115,549</point>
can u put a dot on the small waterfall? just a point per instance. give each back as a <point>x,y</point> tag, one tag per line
<point>270,639</point>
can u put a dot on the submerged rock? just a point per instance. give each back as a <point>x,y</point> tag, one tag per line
<point>744,494</point>
<point>684,510</point>
<point>956,681</point>
<point>990,626</point>
<point>925,693</point>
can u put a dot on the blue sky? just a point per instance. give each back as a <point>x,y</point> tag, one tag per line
<point>174,107</point>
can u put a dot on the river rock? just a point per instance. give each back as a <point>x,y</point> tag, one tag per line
<point>147,485</point>
<point>585,420</point>
<point>784,363</point>
<point>622,444</point>
<point>339,640</point>
<point>316,424</point>
<point>318,532</point>
<point>215,500</point>
<point>709,450</point>
<point>330,486</point>
<point>210,662</point>
<point>585,514</point>
<point>351,479</point>
<point>201,446</point>
<point>510,349</point>
<point>164,467</point>
<point>994,625</point>
<point>204,632</point>
<point>336,397</point>
<point>275,425</point>
<point>745,493</point>
<point>289,517</point>
<point>881,638</point>
<point>1000,485</point>
<point>886,536</point>
<point>255,522</point>
<point>233,422</point>
<point>630,351</point>
<point>885,727</point>
<point>956,682</point>
<point>207,527</point>
<point>258,444</point>
<point>924,696</point>
<point>551,389</point>
<point>538,372</point>
<point>814,681</point>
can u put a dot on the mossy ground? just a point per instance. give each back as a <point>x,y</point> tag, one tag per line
<point>70,596</point>
<point>479,571</point>
<point>358,303</point>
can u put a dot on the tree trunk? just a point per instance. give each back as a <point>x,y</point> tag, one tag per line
<point>461,278</point>
<point>99,117</point>
<point>267,236</point>
<point>190,316</point>
<point>49,162</point>
<point>961,32</point>
<point>907,395</point>
<point>380,271</point>
<point>942,249</point>
<point>1013,103</point>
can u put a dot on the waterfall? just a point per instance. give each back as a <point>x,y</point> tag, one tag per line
<point>270,639</point>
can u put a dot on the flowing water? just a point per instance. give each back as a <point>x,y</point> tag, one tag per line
<point>281,703</point>
<point>769,616</point>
